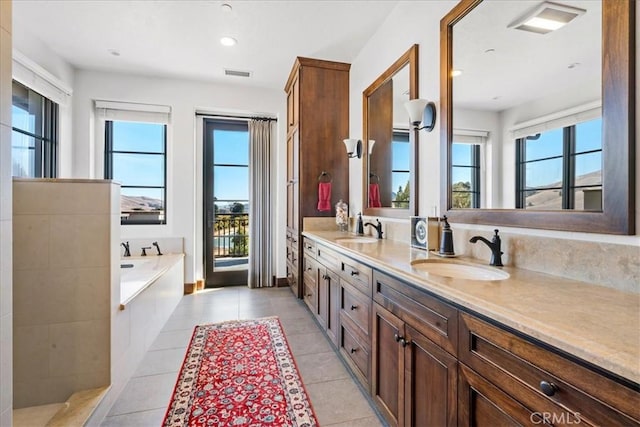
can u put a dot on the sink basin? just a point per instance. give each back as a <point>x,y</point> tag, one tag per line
<point>357,240</point>
<point>457,270</point>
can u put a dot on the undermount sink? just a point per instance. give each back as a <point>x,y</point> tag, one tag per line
<point>357,240</point>
<point>456,270</point>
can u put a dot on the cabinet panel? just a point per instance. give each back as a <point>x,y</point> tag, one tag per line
<point>433,318</point>
<point>323,298</point>
<point>309,247</point>
<point>356,307</point>
<point>333,303</point>
<point>328,257</point>
<point>356,352</point>
<point>357,274</point>
<point>387,365</point>
<point>483,404</point>
<point>431,382</point>
<point>546,382</point>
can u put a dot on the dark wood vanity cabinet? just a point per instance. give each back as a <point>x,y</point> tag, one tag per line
<point>426,362</point>
<point>525,381</point>
<point>414,379</point>
<point>317,122</point>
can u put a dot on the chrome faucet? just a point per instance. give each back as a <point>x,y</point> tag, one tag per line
<point>157,247</point>
<point>494,245</point>
<point>377,226</point>
<point>126,249</point>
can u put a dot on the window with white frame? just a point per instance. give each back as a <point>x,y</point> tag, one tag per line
<point>466,168</point>
<point>135,155</point>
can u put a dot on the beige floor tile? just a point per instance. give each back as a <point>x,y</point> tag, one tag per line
<point>338,401</point>
<point>161,362</point>
<point>299,325</point>
<point>172,339</point>
<point>362,422</point>
<point>145,393</point>
<point>136,419</point>
<point>311,343</point>
<point>315,368</point>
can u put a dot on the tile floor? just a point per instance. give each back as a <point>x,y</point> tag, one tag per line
<point>336,398</point>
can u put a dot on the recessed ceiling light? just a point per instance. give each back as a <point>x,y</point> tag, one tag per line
<point>547,17</point>
<point>226,7</point>
<point>114,52</point>
<point>455,73</point>
<point>491,50</point>
<point>574,65</point>
<point>228,41</point>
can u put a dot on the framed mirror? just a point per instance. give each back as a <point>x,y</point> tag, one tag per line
<point>389,168</point>
<point>536,130</point>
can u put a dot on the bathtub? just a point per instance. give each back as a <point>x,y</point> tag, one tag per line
<point>138,273</point>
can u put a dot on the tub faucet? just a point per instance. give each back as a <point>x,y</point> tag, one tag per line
<point>494,245</point>
<point>126,249</point>
<point>377,226</point>
<point>144,250</point>
<point>157,247</point>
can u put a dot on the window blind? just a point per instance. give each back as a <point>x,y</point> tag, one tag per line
<point>469,136</point>
<point>557,120</point>
<point>133,112</point>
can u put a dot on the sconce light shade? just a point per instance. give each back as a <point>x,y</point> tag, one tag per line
<point>371,144</point>
<point>421,111</point>
<point>354,147</point>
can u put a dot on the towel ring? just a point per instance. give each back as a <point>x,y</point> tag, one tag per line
<point>373,175</point>
<point>326,176</point>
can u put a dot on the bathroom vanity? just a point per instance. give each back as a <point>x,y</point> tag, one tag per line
<point>516,348</point>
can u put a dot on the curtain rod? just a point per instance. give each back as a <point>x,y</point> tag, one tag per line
<point>222,116</point>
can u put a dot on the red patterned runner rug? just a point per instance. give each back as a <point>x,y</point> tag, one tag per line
<point>239,373</point>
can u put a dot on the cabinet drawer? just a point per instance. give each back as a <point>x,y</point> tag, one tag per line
<point>356,274</point>
<point>357,354</point>
<point>356,307</point>
<point>292,258</point>
<point>309,247</point>
<point>329,258</point>
<point>310,267</point>
<point>433,318</point>
<point>545,381</point>
<point>310,293</point>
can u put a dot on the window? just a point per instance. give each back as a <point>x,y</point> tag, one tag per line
<point>135,156</point>
<point>561,168</point>
<point>34,136</point>
<point>465,175</point>
<point>400,173</point>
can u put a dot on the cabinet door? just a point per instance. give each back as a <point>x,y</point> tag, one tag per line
<point>293,154</point>
<point>323,297</point>
<point>388,365</point>
<point>333,306</point>
<point>480,403</point>
<point>430,382</point>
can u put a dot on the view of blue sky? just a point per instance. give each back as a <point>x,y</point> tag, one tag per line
<point>231,158</point>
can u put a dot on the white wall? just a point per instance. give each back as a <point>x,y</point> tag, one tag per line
<point>420,23</point>
<point>6,221</point>
<point>184,169</point>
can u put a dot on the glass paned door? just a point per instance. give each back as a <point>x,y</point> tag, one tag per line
<point>226,201</point>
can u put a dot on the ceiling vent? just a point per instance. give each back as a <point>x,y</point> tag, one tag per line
<point>547,17</point>
<point>237,73</point>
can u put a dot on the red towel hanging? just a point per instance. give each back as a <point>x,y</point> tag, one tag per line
<point>324,196</point>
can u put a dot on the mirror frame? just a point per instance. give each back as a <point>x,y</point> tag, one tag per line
<point>410,57</point>
<point>618,115</point>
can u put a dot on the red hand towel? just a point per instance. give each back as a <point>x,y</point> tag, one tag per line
<point>324,196</point>
<point>374,196</point>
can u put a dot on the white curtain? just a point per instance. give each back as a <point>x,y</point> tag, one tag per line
<point>260,204</point>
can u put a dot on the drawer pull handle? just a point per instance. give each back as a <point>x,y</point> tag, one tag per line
<point>353,350</point>
<point>308,268</point>
<point>354,307</point>
<point>294,241</point>
<point>325,277</point>
<point>548,388</point>
<point>354,273</point>
<point>309,247</point>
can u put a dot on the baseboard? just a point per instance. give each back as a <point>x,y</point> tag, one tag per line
<point>199,284</point>
<point>280,282</point>
<point>189,288</point>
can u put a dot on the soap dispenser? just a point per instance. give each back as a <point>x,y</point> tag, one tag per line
<point>446,241</point>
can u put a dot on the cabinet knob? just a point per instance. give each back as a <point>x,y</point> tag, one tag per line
<point>354,307</point>
<point>354,273</point>
<point>548,388</point>
<point>308,268</point>
<point>309,247</point>
<point>404,342</point>
<point>325,277</point>
<point>397,337</point>
<point>353,350</point>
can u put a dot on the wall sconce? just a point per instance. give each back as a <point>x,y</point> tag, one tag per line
<point>421,111</point>
<point>354,147</point>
